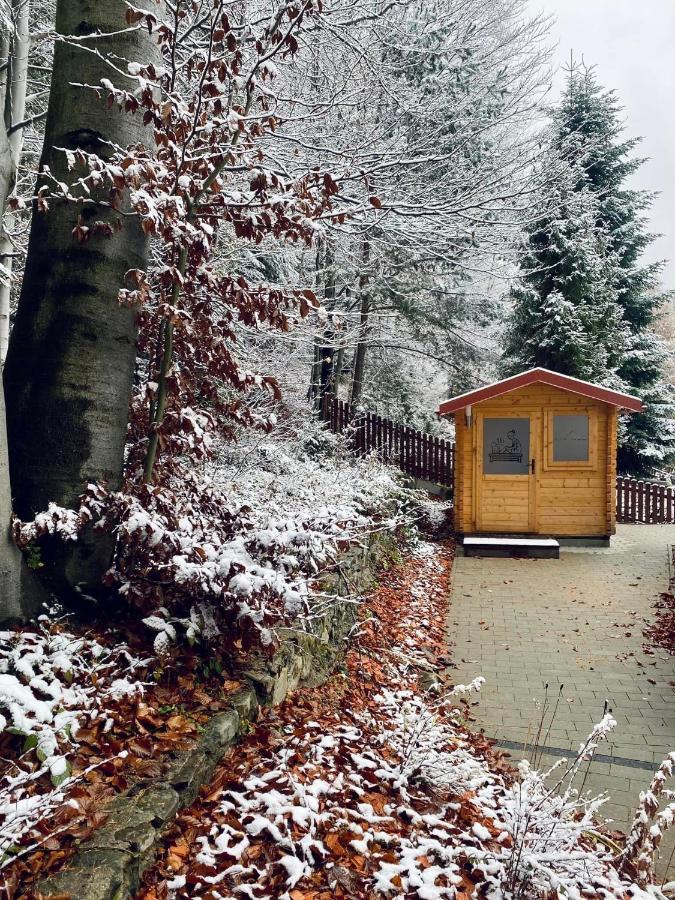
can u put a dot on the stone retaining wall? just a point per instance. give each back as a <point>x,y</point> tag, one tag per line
<point>110,864</point>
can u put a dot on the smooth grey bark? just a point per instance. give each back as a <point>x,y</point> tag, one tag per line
<point>69,370</point>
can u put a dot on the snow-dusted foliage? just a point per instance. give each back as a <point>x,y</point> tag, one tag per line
<point>178,539</point>
<point>52,683</point>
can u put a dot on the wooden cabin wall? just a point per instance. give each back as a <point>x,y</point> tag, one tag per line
<point>569,501</point>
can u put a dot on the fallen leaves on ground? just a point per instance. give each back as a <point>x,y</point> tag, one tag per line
<point>120,741</point>
<point>369,787</point>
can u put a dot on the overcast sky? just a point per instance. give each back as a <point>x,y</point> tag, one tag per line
<point>631,42</point>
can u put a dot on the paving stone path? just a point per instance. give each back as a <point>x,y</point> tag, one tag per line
<point>575,622</point>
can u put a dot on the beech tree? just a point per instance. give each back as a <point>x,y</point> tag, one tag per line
<point>72,352</point>
<point>202,178</point>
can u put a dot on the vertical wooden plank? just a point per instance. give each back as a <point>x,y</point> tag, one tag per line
<point>618,499</point>
<point>649,501</point>
<point>669,505</point>
<point>437,451</point>
<point>627,498</point>
<point>640,501</point>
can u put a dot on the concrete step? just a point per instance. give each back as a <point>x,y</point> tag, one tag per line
<point>510,545</point>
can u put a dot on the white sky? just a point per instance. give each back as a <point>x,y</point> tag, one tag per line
<point>632,44</point>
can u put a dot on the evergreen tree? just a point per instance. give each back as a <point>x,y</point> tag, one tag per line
<point>591,118</point>
<point>566,315</point>
<point>587,305</point>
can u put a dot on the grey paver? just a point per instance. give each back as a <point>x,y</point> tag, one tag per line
<point>576,622</point>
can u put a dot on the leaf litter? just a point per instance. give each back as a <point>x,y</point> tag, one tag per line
<point>370,786</point>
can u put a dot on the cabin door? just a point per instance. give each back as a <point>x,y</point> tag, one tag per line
<point>506,454</point>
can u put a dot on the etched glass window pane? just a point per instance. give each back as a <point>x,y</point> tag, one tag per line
<point>570,438</point>
<point>506,446</point>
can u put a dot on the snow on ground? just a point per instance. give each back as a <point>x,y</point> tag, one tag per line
<point>52,683</point>
<point>299,500</point>
<point>391,797</point>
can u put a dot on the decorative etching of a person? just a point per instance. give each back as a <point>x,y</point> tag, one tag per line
<point>514,447</point>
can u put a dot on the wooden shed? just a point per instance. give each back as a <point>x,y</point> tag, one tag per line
<point>535,454</point>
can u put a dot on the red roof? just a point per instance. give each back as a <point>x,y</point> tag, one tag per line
<point>541,376</point>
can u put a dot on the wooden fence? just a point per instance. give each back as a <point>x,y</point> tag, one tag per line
<point>644,501</point>
<point>430,458</point>
<point>416,453</point>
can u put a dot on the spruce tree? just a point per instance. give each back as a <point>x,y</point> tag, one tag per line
<point>591,118</point>
<point>604,329</point>
<point>566,315</point>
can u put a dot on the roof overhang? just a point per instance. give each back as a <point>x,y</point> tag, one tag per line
<point>541,376</point>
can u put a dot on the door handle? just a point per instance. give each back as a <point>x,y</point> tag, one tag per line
<point>533,466</point>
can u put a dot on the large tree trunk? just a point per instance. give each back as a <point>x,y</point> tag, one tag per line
<point>70,365</point>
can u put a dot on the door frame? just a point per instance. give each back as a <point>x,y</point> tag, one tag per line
<point>534,414</point>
